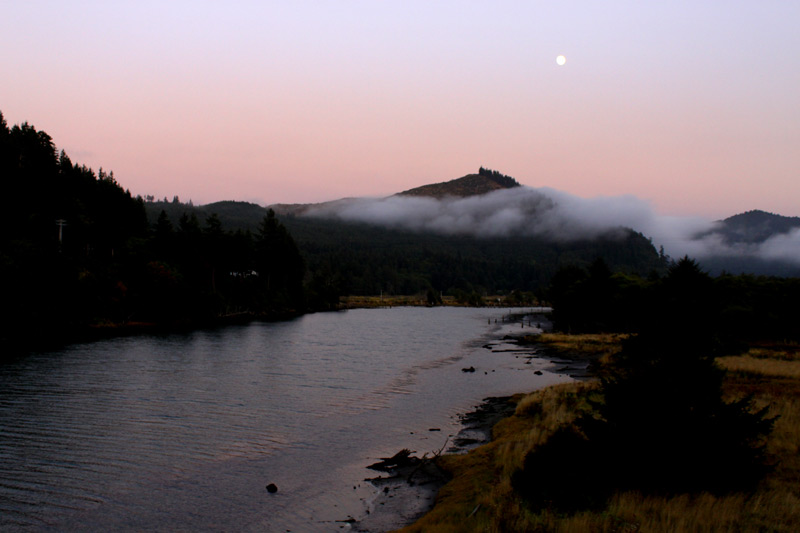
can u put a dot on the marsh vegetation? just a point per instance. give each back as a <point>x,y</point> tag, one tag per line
<point>485,485</point>
<point>689,424</point>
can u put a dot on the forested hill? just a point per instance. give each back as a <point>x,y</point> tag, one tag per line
<point>749,232</point>
<point>485,181</point>
<point>77,255</point>
<point>755,226</point>
<point>368,259</point>
<point>42,186</point>
<point>364,259</point>
<point>233,215</point>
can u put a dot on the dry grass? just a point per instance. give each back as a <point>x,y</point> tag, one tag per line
<point>786,351</point>
<point>596,345</point>
<point>480,497</point>
<point>766,359</point>
<point>761,365</point>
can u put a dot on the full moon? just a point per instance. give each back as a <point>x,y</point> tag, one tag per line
<point>561,60</point>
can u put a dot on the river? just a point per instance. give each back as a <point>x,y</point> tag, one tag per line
<point>182,432</point>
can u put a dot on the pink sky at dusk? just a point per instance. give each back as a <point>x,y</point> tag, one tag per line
<point>692,106</point>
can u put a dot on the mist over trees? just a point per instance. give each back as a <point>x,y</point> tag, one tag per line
<point>80,251</point>
<point>359,258</point>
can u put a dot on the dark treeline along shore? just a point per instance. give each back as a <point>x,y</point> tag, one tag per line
<point>661,396</point>
<point>79,259</point>
<point>738,307</point>
<point>82,257</point>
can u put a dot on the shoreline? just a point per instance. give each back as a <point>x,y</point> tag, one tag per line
<point>52,337</point>
<point>485,357</point>
<point>373,302</point>
<point>482,495</point>
<point>56,338</point>
<point>410,490</point>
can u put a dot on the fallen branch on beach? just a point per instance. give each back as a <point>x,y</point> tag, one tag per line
<point>425,461</point>
<point>401,459</point>
<point>403,465</point>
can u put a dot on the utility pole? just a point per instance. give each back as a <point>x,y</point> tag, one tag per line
<point>60,223</point>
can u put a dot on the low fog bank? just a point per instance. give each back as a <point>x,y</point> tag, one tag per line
<point>558,216</point>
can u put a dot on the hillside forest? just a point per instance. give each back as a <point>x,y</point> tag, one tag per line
<point>80,256</point>
<point>361,259</point>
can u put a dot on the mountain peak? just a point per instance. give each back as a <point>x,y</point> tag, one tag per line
<point>484,182</point>
<point>756,226</point>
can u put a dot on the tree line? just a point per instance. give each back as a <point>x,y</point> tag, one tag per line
<point>362,259</point>
<point>661,396</point>
<point>77,252</point>
<point>731,308</point>
<point>658,421</point>
<point>498,177</point>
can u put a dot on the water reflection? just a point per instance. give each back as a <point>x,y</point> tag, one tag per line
<point>184,431</point>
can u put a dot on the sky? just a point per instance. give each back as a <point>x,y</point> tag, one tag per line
<point>690,107</point>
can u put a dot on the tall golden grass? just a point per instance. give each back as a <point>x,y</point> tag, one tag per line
<point>763,366</point>
<point>480,496</point>
<point>594,345</point>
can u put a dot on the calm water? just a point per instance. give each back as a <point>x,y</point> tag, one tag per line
<point>183,432</point>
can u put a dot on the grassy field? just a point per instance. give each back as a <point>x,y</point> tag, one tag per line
<point>481,498</point>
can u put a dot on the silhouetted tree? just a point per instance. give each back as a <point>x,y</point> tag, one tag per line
<point>280,265</point>
<point>163,225</point>
<point>661,425</point>
<point>189,224</point>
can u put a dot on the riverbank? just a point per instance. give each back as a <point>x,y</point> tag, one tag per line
<point>480,496</point>
<point>420,300</point>
<point>408,488</point>
<point>55,336</point>
<point>185,431</point>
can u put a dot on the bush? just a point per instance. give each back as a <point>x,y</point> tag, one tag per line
<point>660,428</point>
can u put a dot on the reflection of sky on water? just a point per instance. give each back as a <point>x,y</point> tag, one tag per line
<point>164,432</point>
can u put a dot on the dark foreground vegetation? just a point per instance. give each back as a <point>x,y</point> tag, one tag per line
<point>729,309</point>
<point>690,425</point>
<point>78,256</point>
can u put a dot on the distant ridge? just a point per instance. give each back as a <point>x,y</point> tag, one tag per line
<point>484,182</point>
<point>755,226</point>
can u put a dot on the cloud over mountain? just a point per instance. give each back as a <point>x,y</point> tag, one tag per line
<point>557,216</point>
